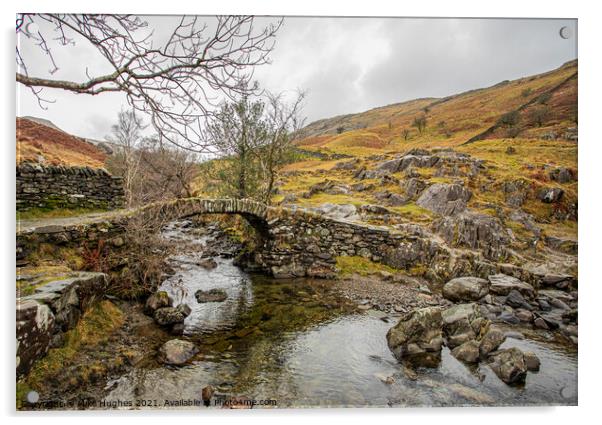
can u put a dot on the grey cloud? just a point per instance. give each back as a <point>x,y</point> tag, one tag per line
<point>352,64</point>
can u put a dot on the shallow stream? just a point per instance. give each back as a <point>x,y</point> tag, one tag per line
<point>299,344</point>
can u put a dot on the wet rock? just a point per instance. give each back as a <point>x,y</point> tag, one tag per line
<point>171,315</point>
<point>321,271</point>
<point>508,317</point>
<point>206,394</point>
<point>550,195</point>
<point>467,352</point>
<point>458,323</point>
<point>177,329</point>
<point>501,284</point>
<point>177,352</point>
<point>208,263</point>
<point>540,323</point>
<point>156,301</point>
<point>516,300</point>
<point>214,295</point>
<point>509,365</point>
<point>417,334</point>
<point>531,361</point>
<point>445,199</point>
<point>288,271</point>
<point>466,289</point>
<point>491,341</point>
<point>524,315</point>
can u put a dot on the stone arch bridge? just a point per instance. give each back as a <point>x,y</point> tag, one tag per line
<point>293,242</point>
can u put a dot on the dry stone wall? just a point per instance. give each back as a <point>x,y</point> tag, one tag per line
<point>47,187</point>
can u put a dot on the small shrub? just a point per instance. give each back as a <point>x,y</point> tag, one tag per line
<point>526,92</point>
<point>510,119</point>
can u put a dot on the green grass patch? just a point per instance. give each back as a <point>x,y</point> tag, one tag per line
<point>94,328</point>
<point>37,213</point>
<point>359,265</point>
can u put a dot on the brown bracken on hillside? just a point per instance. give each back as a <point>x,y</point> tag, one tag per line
<point>40,143</point>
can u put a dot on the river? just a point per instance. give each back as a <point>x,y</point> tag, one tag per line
<point>294,343</point>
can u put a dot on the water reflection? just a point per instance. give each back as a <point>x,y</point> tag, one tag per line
<point>298,343</point>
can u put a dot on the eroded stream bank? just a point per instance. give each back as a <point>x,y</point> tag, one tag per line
<point>297,343</point>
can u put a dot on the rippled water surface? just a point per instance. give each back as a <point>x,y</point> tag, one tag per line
<point>297,343</point>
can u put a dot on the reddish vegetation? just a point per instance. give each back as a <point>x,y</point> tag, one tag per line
<point>55,146</point>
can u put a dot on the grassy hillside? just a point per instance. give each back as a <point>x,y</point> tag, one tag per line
<point>454,120</point>
<point>39,141</point>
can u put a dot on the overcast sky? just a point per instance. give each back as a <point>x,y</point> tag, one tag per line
<point>347,65</point>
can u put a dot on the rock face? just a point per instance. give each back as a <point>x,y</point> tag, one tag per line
<point>211,296</point>
<point>501,284</point>
<point>474,231</point>
<point>171,315</point>
<point>177,352</point>
<point>509,365</point>
<point>417,336</point>
<point>67,187</point>
<point>466,289</point>
<point>445,199</point>
<point>52,310</point>
<point>156,301</point>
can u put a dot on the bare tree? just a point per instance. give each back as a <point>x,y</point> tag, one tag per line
<point>176,82</point>
<point>127,135</point>
<point>420,123</point>
<point>283,121</point>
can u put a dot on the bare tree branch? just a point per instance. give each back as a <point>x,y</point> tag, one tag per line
<point>176,83</point>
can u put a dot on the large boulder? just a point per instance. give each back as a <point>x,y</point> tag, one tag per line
<point>509,365</point>
<point>462,323</point>
<point>491,341</point>
<point>177,352</point>
<point>417,336</point>
<point>502,284</point>
<point>444,198</point>
<point>171,315</point>
<point>466,289</point>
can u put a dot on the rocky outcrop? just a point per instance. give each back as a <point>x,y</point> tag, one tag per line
<point>475,231</point>
<point>445,199</point>
<point>49,186</point>
<point>52,310</point>
<point>466,289</point>
<point>417,336</point>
